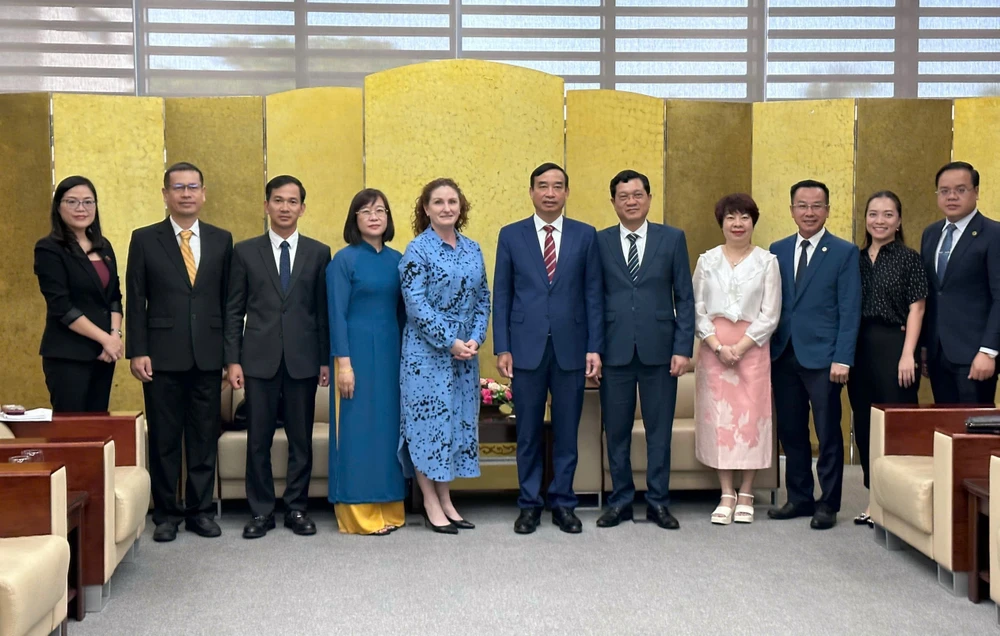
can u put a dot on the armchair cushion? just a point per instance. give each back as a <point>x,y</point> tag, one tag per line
<point>904,486</point>
<point>33,573</point>
<point>5,433</point>
<point>132,489</point>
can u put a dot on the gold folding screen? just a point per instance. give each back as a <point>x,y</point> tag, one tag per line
<point>977,138</point>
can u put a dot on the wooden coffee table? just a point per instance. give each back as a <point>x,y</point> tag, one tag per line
<point>979,529</point>
<point>76,502</point>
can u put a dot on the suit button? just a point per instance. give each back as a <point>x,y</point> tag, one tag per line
<point>193,317</point>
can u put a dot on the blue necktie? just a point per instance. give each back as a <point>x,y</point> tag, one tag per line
<point>285,271</point>
<point>633,257</point>
<point>945,253</point>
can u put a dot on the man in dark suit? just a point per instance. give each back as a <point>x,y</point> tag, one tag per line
<point>278,284</point>
<point>961,331</point>
<point>812,352</point>
<point>548,336</point>
<point>648,342</point>
<point>175,297</point>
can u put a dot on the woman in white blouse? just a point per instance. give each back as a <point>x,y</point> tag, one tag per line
<point>737,294</point>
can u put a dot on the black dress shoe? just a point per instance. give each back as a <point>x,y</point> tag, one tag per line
<point>566,520</point>
<point>461,524</point>
<point>824,519</point>
<point>448,528</point>
<point>791,511</point>
<point>300,523</point>
<point>662,517</point>
<point>203,526</point>
<point>528,520</point>
<point>614,515</point>
<point>258,527</point>
<point>165,532</point>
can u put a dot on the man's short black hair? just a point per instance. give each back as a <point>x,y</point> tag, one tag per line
<point>182,166</point>
<point>628,175</point>
<point>811,183</point>
<point>958,165</point>
<point>283,180</point>
<point>545,167</point>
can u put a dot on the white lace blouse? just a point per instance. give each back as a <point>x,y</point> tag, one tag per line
<point>751,291</point>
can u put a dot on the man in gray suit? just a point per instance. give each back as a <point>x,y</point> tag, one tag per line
<point>648,342</point>
<point>278,283</point>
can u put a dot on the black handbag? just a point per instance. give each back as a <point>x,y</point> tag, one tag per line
<point>983,424</point>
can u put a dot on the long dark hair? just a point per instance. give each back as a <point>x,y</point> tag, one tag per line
<point>420,219</point>
<point>892,196</point>
<point>63,234</point>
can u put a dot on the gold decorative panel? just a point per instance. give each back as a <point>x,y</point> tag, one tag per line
<point>224,137</point>
<point>977,138</point>
<point>26,187</point>
<point>708,157</point>
<point>316,135</point>
<point>486,125</point>
<point>607,132</point>
<point>116,142</point>
<point>800,140</point>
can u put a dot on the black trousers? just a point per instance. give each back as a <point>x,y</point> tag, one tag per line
<point>874,379</point>
<point>796,389</point>
<point>78,387</point>
<point>657,398</point>
<point>299,409</point>
<point>951,384</point>
<point>183,405</point>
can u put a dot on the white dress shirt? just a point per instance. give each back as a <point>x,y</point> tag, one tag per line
<point>556,233</point>
<point>195,241</point>
<point>813,245</point>
<point>293,243</point>
<point>640,243</point>
<point>955,235</point>
<point>751,291</point>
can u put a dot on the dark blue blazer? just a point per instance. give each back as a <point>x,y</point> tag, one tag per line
<point>654,316</point>
<point>526,308</point>
<point>963,310</point>
<point>821,318</point>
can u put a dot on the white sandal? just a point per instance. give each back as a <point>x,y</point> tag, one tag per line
<point>744,513</point>
<point>723,515</point>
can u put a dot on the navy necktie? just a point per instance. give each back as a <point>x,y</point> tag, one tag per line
<point>803,261</point>
<point>633,257</point>
<point>945,253</point>
<point>285,270</point>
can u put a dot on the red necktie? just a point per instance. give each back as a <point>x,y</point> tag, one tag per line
<point>550,252</point>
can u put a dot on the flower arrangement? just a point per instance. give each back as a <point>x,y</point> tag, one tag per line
<point>492,393</point>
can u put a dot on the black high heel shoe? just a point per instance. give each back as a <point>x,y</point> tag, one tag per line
<point>447,528</point>
<point>461,524</point>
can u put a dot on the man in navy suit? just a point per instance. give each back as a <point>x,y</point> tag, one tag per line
<point>812,352</point>
<point>648,342</point>
<point>961,331</point>
<point>548,336</point>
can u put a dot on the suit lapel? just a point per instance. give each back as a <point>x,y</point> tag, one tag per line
<point>970,234</point>
<point>565,249</point>
<point>83,261</point>
<point>301,254</point>
<point>173,250</point>
<point>814,264</point>
<point>613,238</point>
<point>531,239</point>
<point>654,238</point>
<point>267,257</point>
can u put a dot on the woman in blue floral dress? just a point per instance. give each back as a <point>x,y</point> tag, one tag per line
<point>447,298</point>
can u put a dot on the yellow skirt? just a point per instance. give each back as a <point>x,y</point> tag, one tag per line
<point>369,518</point>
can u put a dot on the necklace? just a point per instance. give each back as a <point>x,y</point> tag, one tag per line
<point>742,258</point>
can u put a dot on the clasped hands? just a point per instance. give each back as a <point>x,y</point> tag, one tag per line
<point>464,350</point>
<point>112,348</point>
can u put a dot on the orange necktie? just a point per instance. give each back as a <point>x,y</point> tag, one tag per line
<point>188,255</point>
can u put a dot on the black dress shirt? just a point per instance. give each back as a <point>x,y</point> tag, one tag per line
<point>891,284</point>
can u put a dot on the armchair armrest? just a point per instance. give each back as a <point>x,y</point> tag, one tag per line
<point>957,457</point>
<point>909,430</point>
<point>89,467</point>
<point>126,429</point>
<point>32,499</point>
<point>994,532</point>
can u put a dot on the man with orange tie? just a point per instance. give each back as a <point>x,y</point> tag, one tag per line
<point>176,281</point>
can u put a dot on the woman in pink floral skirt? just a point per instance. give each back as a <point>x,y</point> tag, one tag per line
<point>737,293</point>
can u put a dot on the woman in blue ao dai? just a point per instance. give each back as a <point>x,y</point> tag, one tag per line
<point>447,299</point>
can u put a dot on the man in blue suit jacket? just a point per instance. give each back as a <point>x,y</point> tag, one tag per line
<point>812,352</point>
<point>548,335</point>
<point>961,331</point>
<point>648,342</point>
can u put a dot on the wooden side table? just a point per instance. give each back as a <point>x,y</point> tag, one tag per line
<point>76,502</point>
<point>979,545</point>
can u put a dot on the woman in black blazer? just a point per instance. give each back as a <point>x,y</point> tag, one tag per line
<point>78,275</point>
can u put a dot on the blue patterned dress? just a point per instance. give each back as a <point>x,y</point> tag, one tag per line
<point>447,298</point>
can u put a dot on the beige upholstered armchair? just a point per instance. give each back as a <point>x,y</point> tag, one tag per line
<point>919,457</point>
<point>34,553</point>
<point>994,532</point>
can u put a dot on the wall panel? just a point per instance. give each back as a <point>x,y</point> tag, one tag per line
<point>607,132</point>
<point>117,142</point>
<point>316,135</point>
<point>224,137</point>
<point>708,157</point>
<point>977,137</point>
<point>26,187</point>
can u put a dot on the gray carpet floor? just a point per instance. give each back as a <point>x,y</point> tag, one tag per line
<point>771,577</point>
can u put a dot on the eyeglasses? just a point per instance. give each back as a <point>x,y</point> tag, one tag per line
<point>181,187</point>
<point>377,213</point>
<point>628,196</point>
<point>88,204</point>
<point>815,207</point>
<point>947,192</point>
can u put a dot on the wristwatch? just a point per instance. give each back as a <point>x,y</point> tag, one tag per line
<point>117,331</point>
<point>718,349</point>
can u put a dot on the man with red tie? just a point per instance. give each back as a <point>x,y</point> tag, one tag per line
<point>548,337</point>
